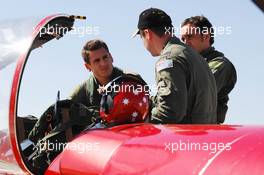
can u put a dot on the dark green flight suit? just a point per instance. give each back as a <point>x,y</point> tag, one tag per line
<point>225,77</point>
<point>186,87</point>
<point>87,93</point>
<point>84,104</point>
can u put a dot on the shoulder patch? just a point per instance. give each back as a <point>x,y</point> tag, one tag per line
<point>164,64</point>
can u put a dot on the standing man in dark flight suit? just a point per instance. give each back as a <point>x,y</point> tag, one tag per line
<point>198,33</point>
<point>186,86</point>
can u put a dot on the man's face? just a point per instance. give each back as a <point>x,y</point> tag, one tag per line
<point>194,38</point>
<point>101,63</point>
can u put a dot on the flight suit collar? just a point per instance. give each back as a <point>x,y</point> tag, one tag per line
<point>211,53</point>
<point>172,40</point>
<point>115,73</point>
<point>94,86</point>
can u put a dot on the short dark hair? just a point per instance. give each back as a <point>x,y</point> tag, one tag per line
<point>91,46</point>
<point>202,23</point>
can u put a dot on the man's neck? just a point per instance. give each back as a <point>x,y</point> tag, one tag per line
<point>163,42</point>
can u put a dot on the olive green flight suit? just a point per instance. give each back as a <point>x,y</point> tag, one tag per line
<point>225,77</point>
<point>87,93</point>
<point>186,88</point>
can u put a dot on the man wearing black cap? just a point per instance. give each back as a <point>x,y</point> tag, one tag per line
<point>186,87</point>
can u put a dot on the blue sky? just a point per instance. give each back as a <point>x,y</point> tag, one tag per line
<point>58,65</point>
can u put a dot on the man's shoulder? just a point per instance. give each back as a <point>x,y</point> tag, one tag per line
<point>179,52</point>
<point>211,55</point>
<point>221,60</point>
<point>117,70</point>
<point>86,83</point>
<point>80,87</point>
<point>173,51</point>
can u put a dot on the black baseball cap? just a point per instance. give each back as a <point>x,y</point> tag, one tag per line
<point>152,18</point>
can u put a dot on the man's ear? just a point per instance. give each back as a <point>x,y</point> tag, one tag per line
<point>147,33</point>
<point>88,66</point>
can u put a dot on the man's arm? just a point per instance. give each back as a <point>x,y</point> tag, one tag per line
<point>225,75</point>
<point>171,98</point>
